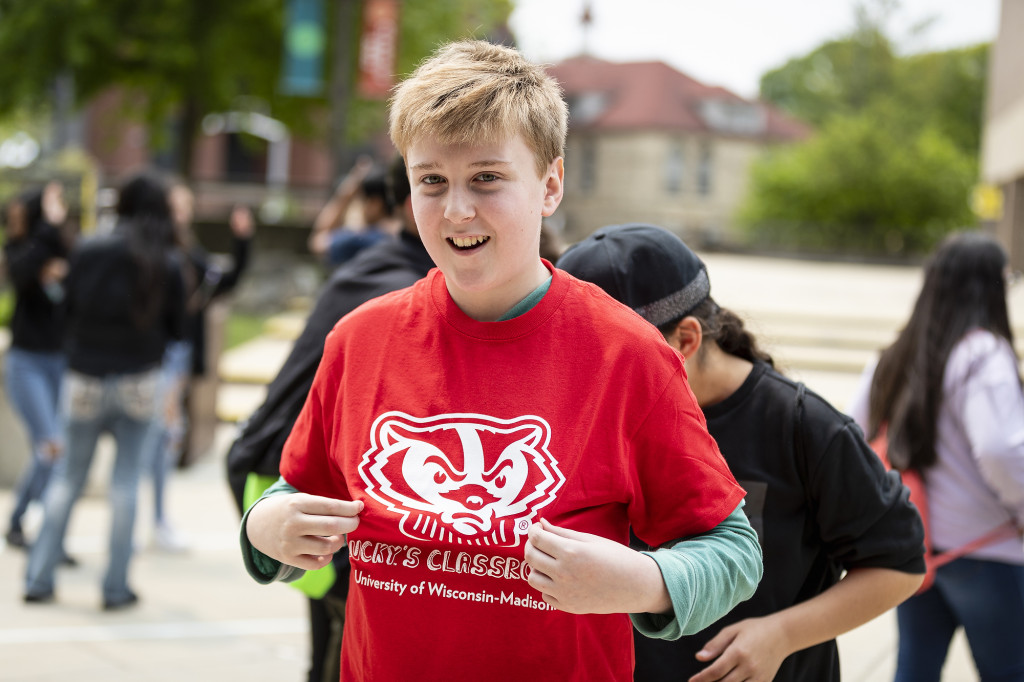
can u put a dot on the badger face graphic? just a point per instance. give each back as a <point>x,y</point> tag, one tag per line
<point>462,478</point>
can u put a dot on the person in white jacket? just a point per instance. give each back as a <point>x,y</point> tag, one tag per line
<point>949,394</point>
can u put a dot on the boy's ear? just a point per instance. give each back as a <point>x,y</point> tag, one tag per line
<point>553,187</point>
<point>687,336</point>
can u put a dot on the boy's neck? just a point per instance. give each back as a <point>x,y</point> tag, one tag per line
<point>489,306</point>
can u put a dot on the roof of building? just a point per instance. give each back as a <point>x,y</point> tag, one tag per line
<point>606,95</point>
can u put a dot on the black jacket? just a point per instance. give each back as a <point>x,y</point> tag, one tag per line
<point>377,270</point>
<point>38,320</point>
<point>104,334</point>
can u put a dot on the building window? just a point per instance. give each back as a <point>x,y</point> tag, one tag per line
<point>587,107</point>
<point>705,166</point>
<point>675,167</point>
<point>736,118</point>
<point>588,165</point>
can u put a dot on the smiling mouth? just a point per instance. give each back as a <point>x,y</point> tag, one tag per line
<point>467,243</point>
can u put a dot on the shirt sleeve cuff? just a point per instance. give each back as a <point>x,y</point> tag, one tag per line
<point>262,568</point>
<point>665,625</point>
<point>723,565</point>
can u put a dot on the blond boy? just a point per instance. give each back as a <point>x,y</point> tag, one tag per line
<point>484,440</point>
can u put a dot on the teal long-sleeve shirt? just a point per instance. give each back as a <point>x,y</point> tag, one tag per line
<point>706,575</point>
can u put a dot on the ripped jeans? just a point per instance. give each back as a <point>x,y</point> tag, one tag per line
<point>32,380</point>
<point>122,405</point>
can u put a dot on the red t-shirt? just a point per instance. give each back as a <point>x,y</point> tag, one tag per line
<point>457,435</point>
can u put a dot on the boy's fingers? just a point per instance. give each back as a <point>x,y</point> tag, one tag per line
<point>567,533</point>
<point>317,545</point>
<point>315,505</point>
<point>543,541</point>
<point>328,526</point>
<point>312,562</point>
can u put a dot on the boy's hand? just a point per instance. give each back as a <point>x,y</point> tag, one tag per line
<point>301,530</point>
<point>583,573</point>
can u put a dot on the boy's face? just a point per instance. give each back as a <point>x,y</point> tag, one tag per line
<point>478,209</point>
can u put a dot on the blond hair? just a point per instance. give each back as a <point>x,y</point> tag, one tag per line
<point>472,91</point>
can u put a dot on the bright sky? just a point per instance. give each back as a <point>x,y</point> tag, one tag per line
<point>733,42</point>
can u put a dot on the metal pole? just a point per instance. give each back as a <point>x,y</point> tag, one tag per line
<point>345,35</point>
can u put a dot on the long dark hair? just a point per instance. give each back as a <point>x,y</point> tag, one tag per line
<point>145,221</point>
<point>31,201</point>
<point>964,288</point>
<point>726,329</point>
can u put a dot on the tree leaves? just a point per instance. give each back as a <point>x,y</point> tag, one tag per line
<point>195,56</point>
<point>892,165</point>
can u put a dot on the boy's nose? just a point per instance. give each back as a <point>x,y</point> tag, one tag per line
<point>459,207</point>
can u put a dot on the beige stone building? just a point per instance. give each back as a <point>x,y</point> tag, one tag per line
<point>1003,138</point>
<point>648,143</point>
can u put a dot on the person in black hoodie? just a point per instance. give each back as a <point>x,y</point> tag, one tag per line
<point>384,267</point>
<point>36,256</point>
<point>125,301</point>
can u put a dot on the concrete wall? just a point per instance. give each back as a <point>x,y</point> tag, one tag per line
<point>630,183</point>
<point>1003,137</point>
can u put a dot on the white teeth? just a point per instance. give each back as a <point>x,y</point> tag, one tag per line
<point>466,242</point>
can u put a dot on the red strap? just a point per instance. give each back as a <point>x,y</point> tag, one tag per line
<point>1003,532</point>
<point>918,496</point>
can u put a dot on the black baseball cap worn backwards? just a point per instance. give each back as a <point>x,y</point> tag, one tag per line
<point>645,267</point>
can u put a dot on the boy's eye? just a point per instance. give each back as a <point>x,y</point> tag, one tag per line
<point>432,180</point>
<point>487,177</point>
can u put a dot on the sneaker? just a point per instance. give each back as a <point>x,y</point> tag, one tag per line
<point>127,601</point>
<point>16,538</point>
<point>166,539</point>
<point>39,597</point>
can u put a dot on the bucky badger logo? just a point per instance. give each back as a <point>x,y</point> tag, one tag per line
<point>461,477</point>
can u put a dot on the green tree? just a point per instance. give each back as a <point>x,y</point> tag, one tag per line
<point>861,184</point>
<point>180,57</point>
<point>842,77</point>
<point>946,90</point>
<point>839,77</point>
<point>183,59</point>
<point>896,152</point>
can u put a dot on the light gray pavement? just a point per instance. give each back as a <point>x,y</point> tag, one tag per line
<point>201,618</point>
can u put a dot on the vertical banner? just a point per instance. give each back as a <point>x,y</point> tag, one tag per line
<point>304,41</point>
<point>377,48</point>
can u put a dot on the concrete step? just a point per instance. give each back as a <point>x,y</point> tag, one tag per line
<point>236,402</point>
<point>821,358</point>
<point>823,336</point>
<point>254,362</point>
<point>287,325</point>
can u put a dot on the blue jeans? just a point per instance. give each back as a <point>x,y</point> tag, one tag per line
<point>986,598</point>
<point>164,444</point>
<point>33,380</point>
<point>121,405</point>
